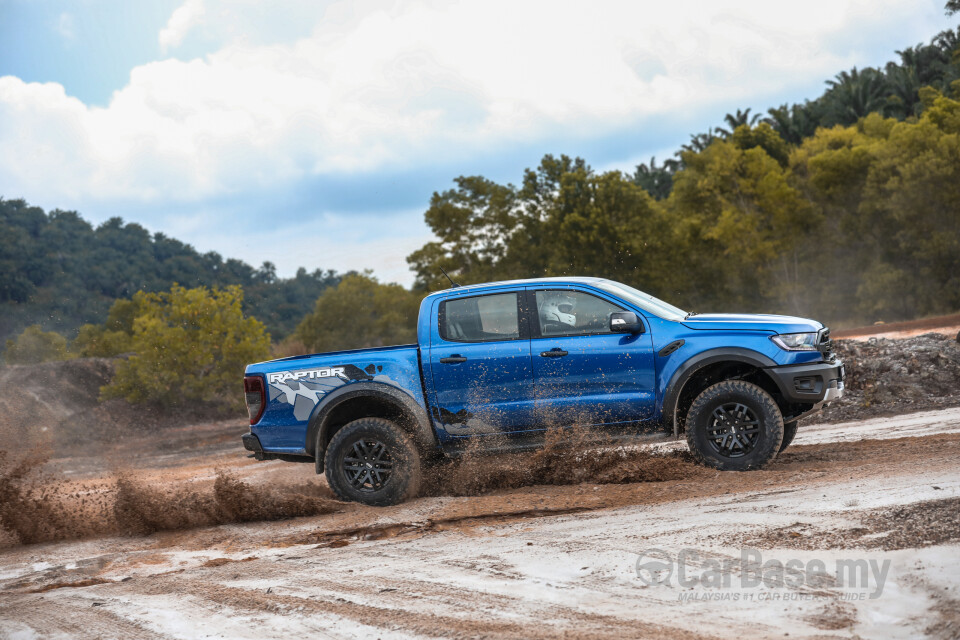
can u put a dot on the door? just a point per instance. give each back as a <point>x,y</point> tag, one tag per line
<point>583,373</point>
<point>480,363</point>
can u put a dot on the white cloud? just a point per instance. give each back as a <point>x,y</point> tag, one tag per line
<point>182,20</point>
<point>382,85</point>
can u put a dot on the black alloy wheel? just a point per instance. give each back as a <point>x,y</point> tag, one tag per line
<point>368,465</point>
<point>734,430</point>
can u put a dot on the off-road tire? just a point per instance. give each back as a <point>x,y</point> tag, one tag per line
<point>789,433</point>
<point>725,397</point>
<point>385,443</point>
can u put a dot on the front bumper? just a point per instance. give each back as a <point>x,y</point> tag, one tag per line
<point>816,383</point>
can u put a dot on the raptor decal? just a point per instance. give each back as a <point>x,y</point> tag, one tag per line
<point>304,389</point>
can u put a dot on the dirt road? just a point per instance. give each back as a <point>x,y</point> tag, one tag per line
<point>880,496</point>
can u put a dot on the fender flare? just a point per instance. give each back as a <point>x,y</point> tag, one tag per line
<point>420,429</point>
<point>698,361</point>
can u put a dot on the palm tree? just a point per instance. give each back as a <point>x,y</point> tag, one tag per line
<point>735,120</point>
<point>903,99</point>
<point>853,94</point>
<point>701,141</point>
<point>795,122</point>
<point>658,181</point>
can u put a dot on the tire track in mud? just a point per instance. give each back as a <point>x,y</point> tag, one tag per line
<point>73,619</point>
<point>585,625</point>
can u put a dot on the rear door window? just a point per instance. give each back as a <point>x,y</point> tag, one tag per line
<point>480,319</point>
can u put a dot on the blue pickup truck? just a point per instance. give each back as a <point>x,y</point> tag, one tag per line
<point>496,365</point>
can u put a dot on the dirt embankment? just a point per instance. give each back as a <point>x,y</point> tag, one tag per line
<point>56,404</point>
<point>886,376</point>
<point>945,325</point>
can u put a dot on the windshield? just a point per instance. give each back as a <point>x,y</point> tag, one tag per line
<point>643,300</point>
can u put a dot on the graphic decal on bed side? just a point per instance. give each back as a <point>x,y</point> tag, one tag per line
<point>304,389</point>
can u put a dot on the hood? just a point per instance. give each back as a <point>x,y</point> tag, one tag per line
<point>751,322</point>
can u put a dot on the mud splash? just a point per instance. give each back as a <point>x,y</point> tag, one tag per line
<point>569,456</point>
<point>38,507</point>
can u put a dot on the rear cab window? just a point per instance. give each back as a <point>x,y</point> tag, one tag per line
<point>485,318</point>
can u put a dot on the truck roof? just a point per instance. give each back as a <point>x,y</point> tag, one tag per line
<point>507,283</point>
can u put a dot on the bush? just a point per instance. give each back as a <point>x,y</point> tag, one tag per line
<point>36,345</point>
<point>360,312</point>
<point>111,338</point>
<point>191,346</point>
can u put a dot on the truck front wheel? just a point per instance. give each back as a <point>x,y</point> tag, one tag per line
<point>372,460</point>
<point>734,426</point>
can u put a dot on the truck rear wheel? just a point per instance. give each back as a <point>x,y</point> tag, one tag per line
<point>372,461</point>
<point>734,426</point>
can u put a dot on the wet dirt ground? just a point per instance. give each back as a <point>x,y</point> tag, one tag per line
<point>593,559</point>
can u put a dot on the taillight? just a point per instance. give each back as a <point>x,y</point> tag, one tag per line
<point>256,397</point>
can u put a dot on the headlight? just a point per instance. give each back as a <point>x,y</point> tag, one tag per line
<point>796,341</point>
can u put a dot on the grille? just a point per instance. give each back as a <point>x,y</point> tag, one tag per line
<point>824,343</point>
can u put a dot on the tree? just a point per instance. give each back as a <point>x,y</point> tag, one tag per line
<point>112,338</point>
<point>564,220</point>
<point>854,94</point>
<point>763,136</point>
<point>912,197</point>
<point>903,100</point>
<point>795,122</point>
<point>658,181</point>
<point>700,141</point>
<point>191,346</point>
<point>36,345</point>
<point>738,119</point>
<point>361,312</point>
<point>59,271</point>
<point>738,219</point>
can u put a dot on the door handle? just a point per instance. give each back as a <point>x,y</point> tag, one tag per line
<point>454,359</point>
<point>556,352</point>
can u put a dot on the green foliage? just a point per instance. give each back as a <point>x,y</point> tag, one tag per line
<point>743,219</point>
<point>36,345</point>
<point>112,338</point>
<point>858,223</point>
<point>361,312</point>
<point>565,219</point>
<point>95,341</point>
<point>191,346</point>
<point>657,181</point>
<point>59,271</point>
<point>746,137</point>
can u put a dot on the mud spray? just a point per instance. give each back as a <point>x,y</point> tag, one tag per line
<point>38,506</point>
<point>569,456</point>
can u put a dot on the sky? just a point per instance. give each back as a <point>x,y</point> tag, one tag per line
<point>313,134</point>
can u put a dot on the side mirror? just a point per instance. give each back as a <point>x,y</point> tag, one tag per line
<point>625,322</point>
